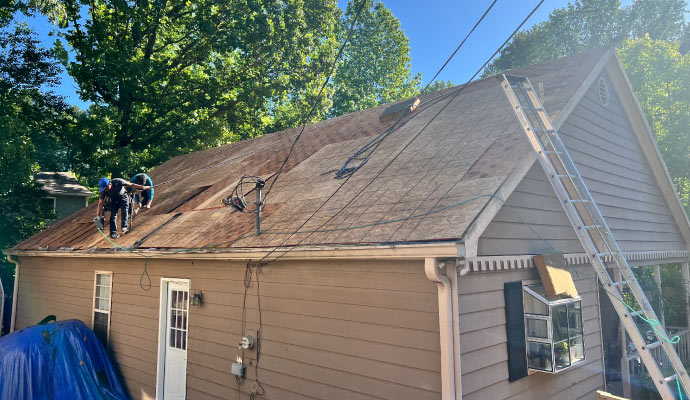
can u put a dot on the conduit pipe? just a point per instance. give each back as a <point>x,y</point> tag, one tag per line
<point>445,316</point>
<point>14,260</point>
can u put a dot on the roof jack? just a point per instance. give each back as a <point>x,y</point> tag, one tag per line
<point>236,197</point>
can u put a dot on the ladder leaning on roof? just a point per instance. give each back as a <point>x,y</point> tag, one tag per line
<point>594,234</point>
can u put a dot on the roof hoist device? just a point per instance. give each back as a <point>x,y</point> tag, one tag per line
<point>236,197</point>
<point>594,235</point>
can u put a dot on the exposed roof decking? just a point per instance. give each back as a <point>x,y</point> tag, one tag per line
<point>467,150</point>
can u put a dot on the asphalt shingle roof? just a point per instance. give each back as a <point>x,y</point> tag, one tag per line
<point>451,150</point>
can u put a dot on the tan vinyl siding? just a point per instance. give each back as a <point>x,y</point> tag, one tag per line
<point>346,330</point>
<point>602,143</point>
<point>483,342</point>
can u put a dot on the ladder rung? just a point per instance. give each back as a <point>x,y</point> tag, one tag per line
<point>578,201</point>
<point>566,176</point>
<point>636,313</point>
<point>552,152</point>
<point>653,345</point>
<point>592,226</point>
<point>670,378</point>
<point>607,254</point>
<point>621,283</point>
<point>537,109</point>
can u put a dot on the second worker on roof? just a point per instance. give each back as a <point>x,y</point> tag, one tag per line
<point>116,191</point>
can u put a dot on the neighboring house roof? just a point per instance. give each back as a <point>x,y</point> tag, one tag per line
<point>61,183</point>
<point>446,159</point>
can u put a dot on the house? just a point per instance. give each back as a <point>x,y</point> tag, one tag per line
<point>65,194</point>
<point>394,285</point>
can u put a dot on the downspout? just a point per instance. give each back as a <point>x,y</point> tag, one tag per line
<point>445,316</point>
<point>16,263</point>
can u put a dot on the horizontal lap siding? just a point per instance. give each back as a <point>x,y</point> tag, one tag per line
<point>346,330</point>
<point>532,207</point>
<point>483,342</point>
<point>603,146</point>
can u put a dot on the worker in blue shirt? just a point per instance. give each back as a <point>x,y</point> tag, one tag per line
<point>146,195</point>
<point>115,190</point>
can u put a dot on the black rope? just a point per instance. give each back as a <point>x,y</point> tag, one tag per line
<point>145,274</point>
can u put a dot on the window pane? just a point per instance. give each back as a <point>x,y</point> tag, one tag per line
<point>537,328</point>
<point>560,323</point>
<point>103,280</point>
<point>575,319</point>
<point>577,349</point>
<point>562,354</point>
<point>534,306</point>
<point>173,299</point>
<point>539,356</point>
<point>100,326</point>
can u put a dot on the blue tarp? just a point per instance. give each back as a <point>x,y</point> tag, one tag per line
<point>61,360</point>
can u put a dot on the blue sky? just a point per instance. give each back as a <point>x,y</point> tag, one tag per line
<point>434,27</point>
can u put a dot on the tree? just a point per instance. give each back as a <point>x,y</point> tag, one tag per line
<point>660,75</point>
<point>376,62</point>
<point>588,24</point>
<point>170,77</point>
<point>439,85</point>
<point>29,120</point>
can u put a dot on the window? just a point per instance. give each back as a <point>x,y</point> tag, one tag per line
<point>103,284</point>
<point>553,330</point>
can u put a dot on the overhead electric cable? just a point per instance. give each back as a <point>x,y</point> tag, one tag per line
<point>318,97</point>
<point>455,94</point>
<point>370,147</point>
<point>458,48</point>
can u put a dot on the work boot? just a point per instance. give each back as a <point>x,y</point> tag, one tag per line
<point>114,235</point>
<point>125,231</point>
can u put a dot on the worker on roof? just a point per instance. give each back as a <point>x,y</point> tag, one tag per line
<point>146,195</point>
<point>116,191</point>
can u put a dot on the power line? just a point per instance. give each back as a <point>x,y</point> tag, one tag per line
<point>373,145</point>
<point>313,107</point>
<point>455,94</point>
<point>459,46</point>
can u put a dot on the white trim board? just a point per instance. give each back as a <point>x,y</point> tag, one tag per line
<point>519,262</point>
<point>162,328</point>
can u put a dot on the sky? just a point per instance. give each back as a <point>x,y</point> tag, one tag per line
<point>434,28</point>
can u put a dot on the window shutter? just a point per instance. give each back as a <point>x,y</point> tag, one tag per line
<point>515,331</point>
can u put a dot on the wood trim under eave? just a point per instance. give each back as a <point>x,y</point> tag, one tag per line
<point>645,137</point>
<point>391,252</point>
<point>476,229</point>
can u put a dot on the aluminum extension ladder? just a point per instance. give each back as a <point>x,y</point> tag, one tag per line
<point>594,233</point>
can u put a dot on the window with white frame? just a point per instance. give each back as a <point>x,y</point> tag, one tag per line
<point>103,284</point>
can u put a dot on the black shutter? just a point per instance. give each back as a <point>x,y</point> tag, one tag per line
<point>515,331</point>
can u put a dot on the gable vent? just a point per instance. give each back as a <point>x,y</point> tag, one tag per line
<point>603,87</point>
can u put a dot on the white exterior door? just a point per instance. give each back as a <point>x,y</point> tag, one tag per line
<point>175,358</point>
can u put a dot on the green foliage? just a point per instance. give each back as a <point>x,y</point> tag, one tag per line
<point>439,85</point>
<point>588,24</point>
<point>660,75</point>
<point>29,121</point>
<point>171,77</point>
<point>376,62</point>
